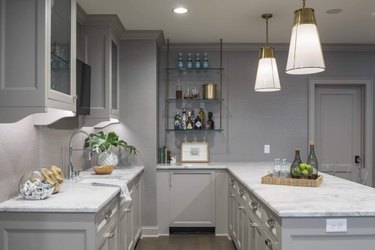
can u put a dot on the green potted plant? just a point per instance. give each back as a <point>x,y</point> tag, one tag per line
<point>102,143</point>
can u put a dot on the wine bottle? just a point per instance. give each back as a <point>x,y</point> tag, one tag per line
<point>313,161</point>
<point>189,63</point>
<point>205,60</point>
<point>178,90</point>
<point>177,121</point>
<point>183,119</point>
<point>210,123</point>
<point>197,61</point>
<point>294,169</point>
<point>189,122</point>
<point>202,116</point>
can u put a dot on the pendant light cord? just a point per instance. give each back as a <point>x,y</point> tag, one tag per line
<point>266,31</point>
<point>303,3</point>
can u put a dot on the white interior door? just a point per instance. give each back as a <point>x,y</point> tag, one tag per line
<point>339,129</point>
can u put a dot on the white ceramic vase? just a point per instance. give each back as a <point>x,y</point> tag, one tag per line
<point>107,158</point>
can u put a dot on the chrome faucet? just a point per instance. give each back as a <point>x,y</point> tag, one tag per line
<point>72,171</point>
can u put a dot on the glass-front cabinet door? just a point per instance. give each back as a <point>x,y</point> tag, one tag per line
<point>62,62</point>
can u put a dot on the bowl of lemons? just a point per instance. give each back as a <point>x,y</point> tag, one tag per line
<point>303,170</point>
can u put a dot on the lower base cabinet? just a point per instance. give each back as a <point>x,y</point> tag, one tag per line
<point>117,226</point>
<point>253,226</point>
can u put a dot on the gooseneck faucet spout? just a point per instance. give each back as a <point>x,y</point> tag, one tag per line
<point>72,171</point>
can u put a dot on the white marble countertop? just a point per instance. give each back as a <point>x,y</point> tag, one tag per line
<point>77,195</point>
<point>335,197</point>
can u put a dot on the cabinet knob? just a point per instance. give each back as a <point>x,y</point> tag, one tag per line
<point>232,195</point>
<point>241,192</point>
<point>109,235</point>
<point>268,243</point>
<point>232,181</point>
<point>127,210</point>
<point>241,208</point>
<point>253,224</point>
<point>108,214</point>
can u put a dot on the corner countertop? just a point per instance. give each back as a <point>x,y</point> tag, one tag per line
<point>75,196</point>
<point>335,197</point>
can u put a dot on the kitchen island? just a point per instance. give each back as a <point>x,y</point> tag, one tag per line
<point>81,216</point>
<point>339,214</point>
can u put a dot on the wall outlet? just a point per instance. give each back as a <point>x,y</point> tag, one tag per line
<point>267,149</point>
<point>336,225</point>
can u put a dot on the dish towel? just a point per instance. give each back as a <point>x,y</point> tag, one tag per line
<point>124,191</point>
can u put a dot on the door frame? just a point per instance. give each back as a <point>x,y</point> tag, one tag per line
<point>367,100</point>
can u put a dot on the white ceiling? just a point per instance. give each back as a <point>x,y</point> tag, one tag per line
<point>239,21</point>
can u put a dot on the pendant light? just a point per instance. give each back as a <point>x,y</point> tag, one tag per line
<point>267,79</point>
<point>305,51</point>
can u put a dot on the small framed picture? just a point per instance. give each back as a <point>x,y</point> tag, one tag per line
<point>195,152</point>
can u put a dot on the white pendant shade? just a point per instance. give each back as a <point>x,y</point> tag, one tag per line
<point>305,51</point>
<point>267,79</point>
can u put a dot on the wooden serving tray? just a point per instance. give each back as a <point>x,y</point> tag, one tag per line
<point>268,179</point>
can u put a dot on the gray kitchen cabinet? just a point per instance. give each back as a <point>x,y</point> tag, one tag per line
<point>37,74</point>
<point>134,224</point>
<point>125,227</point>
<point>101,36</point>
<point>192,199</point>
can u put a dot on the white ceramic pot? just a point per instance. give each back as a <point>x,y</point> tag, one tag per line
<point>107,158</point>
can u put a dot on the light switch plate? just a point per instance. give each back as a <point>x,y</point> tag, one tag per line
<point>267,149</point>
<point>336,225</point>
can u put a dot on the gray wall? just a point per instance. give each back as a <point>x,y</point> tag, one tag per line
<point>252,119</point>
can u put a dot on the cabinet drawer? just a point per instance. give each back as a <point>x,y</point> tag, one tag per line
<point>106,215</point>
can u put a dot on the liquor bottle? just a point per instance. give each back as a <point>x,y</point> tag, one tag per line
<point>205,60</point>
<point>202,116</point>
<point>197,61</point>
<point>180,63</point>
<point>210,123</point>
<point>183,119</point>
<point>198,123</point>
<point>313,161</point>
<point>189,122</point>
<point>177,121</point>
<point>294,169</point>
<point>178,90</point>
<point>189,63</point>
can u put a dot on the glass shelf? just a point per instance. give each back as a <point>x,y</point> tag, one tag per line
<point>194,69</point>
<point>171,100</point>
<point>194,130</point>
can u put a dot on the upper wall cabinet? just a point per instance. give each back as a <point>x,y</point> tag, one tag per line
<point>37,67</point>
<point>101,37</point>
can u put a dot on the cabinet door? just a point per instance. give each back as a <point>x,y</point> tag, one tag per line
<point>62,33</point>
<point>192,199</point>
<point>115,79</point>
<point>129,230</point>
<point>125,228</point>
<point>136,197</point>
<point>231,209</point>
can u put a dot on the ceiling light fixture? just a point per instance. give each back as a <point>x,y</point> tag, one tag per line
<point>267,79</point>
<point>305,51</point>
<point>180,10</point>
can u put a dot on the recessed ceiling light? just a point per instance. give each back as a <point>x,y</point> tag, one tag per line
<point>180,10</point>
<point>334,11</point>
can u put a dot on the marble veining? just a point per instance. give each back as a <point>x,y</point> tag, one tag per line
<point>77,195</point>
<point>335,197</point>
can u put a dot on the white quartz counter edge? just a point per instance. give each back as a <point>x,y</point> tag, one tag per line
<point>76,197</point>
<point>335,197</point>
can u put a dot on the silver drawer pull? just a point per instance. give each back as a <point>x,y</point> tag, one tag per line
<point>271,223</point>
<point>232,182</point>
<point>109,235</point>
<point>241,192</point>
<point>268,243</point>
<point>127,210</point>
<point>232,195</point>
<point>108,214</point>
<point>254,205</point>
<point>241,208</point>
<point>253,224</point>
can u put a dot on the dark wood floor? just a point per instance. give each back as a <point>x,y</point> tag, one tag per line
<point>186,242</point>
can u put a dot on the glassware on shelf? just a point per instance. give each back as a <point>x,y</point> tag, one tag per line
<point>33,186</point>
<point>195,92</point>
<point>294,168</point>
<point>178,90</point>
